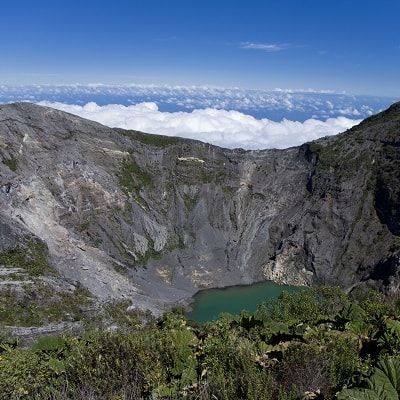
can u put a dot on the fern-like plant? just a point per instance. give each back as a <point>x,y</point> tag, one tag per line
<point>383,384</point>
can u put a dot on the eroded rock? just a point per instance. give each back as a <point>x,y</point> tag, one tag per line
<point>154,219</point>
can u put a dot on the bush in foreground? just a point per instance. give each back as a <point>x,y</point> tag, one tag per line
<point>315,344</point>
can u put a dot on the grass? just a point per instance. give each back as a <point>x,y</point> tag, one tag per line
<point>149,254</point>
<point>32,258</point>
<point>83,227</point>
<point>389,115</point>
<point>132,178</point>
<point>190,201</point>
<point>39,304</point>
<point>34,301</point>
<point>10,162</point>
<point>158,141</point>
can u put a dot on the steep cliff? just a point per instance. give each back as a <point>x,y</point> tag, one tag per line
<point>154,219</point>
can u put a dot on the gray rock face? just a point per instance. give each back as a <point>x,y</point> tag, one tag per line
<point>154,219</point>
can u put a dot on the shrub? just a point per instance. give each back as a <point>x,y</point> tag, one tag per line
<point>22,374</point>
<point>110,362</point>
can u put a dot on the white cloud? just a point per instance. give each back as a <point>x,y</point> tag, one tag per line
<point>269,47</point>
<point>350,111</point>
<point>220,127</point>
<point>297,104</point>
<point>308,90</point>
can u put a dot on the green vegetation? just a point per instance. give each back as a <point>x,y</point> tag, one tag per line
<point>29,292</point>
<point>392,114</point>
<point>11,162</point>
<point>317,343</point>
<point>190,201</point>
<point>121,313</point>
<point>84,226</point>
<point>149,254</point>
<point>39,304</point>
<point>132,178</point>
<point>344,156</point>
<point>194,172</point>
<point>352,151</point>
<point>31,257</point>
<point>159,141</point>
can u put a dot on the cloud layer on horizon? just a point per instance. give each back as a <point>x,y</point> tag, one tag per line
<point>231,129</point>
<point>296,105</point>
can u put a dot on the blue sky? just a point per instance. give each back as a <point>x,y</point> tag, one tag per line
<point>337,45</point>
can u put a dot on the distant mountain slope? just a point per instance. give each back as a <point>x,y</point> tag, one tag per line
<point>154,219</point>
<point>354,210</point>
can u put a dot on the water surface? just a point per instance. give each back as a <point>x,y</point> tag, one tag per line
<point>208,304</point>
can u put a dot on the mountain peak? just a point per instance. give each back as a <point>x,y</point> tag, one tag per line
<point>390,115</point>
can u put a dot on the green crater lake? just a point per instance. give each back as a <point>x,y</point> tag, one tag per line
<point>208,304</point>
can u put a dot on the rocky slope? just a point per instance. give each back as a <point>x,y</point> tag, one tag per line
<point>153,219</point>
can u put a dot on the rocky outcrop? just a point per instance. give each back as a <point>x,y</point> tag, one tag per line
<point>154,219</point>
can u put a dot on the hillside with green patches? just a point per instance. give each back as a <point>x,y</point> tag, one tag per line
<point>103,215</point>
<point>355,189</point>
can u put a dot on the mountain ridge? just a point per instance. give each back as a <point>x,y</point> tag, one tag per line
<point>153,219</point>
